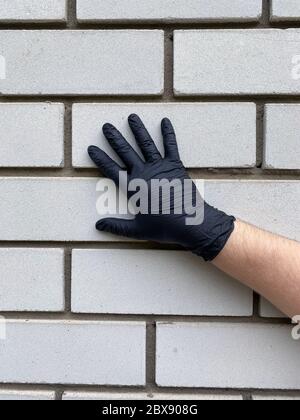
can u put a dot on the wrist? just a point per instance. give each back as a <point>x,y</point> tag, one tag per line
<point>213,234</point>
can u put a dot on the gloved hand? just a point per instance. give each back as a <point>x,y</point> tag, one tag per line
<point>206,239</point>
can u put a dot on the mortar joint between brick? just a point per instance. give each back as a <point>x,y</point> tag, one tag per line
<point>68,137</point>
<point>169,66</point>
<point>150,353</point>
<point>260,135</point>
<point>72,14</point>
<point>266,13</point>
<point>58,395</point>
<point>68,278</point>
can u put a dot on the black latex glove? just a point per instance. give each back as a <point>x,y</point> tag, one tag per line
<point>206,239</point>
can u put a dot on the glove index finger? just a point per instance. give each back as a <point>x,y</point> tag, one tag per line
<point>120,145</point>
<point>108,166</point>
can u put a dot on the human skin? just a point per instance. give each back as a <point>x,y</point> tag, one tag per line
<point>267,263</point>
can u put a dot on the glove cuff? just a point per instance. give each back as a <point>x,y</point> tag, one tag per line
<point>215,232</point>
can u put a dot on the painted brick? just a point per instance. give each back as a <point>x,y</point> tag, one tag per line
<point>267,310</point>
<point>153,282</point>
<point>216,62</point>
<point>282,131</point>
<point>227,355</point>
<point>285,10</point>
<point>32,10</point>
<point>83,62</point>
<point>215,135</point>
<point>37,140</point>
<point>28,204</point>
<point>38,271</point>
<point>169,10</point>
<point>134,396</point>
<point>262,203</point>
<point>27,395</point>
<point>62,352</point>
<point>262,397</point>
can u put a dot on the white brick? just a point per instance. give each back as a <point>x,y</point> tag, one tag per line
<point>227,355</point>
<point>32,10</point>
<point>27,395</point>
<point>282,131</point>
<point>169,10</point>
<point>62,352</point>
<point>220,62</point>
<point>83,62</point>
<point>285,10</point>
<point>267,204</point>
<point>153,282</point>
<point>64,209</point>
<point>267,310</point>
<point>32,135</point>
<point>134,396</point>
<point>262,397</point>
<point>49,209</point>
<point>40,272</point>
<point>216,134</point>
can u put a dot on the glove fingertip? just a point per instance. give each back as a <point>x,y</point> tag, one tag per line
<point>101,225</point>
<point>133,117</point>
<point>166,123</point>
<point>107,127</point>
<point>92,150</point>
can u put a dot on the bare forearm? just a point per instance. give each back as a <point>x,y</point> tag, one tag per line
<point>267,263</point>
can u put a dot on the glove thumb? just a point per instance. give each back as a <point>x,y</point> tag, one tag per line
<point>122,227</point>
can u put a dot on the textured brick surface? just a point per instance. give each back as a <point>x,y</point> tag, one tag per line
<point>84,304</point>
<point>285,10</point>
<point>224,67</point>
<point>153,282</point>
<point>32,135</point>
<point>75,396</point>
<point>261,397</point>
<point>215,135</point>
<point>64,352</point>
<point>266,204</point>
<point>282,131</point>
<point>169,10</point>
<point>267,310</point>
<point>71,204</point>
<point>32,10</point>
<point>27,395</point>
<point>227,356</point>
<point>39,272</point>
<point>82,62</point>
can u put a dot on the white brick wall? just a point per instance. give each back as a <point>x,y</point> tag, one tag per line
<point>153,282</point>
<point>71,202</point>
<point>82,62</point>
<point>282,129</point>
<point>267,310</point>
<point>70,352</point>
<point>208,139</point>
<point>32,135</point>
<point>169,10</point>
<point>27,395</point>
<point>32,10</point>
<point>282,10</point>
<point>261,397</point>
<point>106,396</point>
<point>227,355</point>
<point>80,309</point>
<point>260,62</point>
<point>40,272</point>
